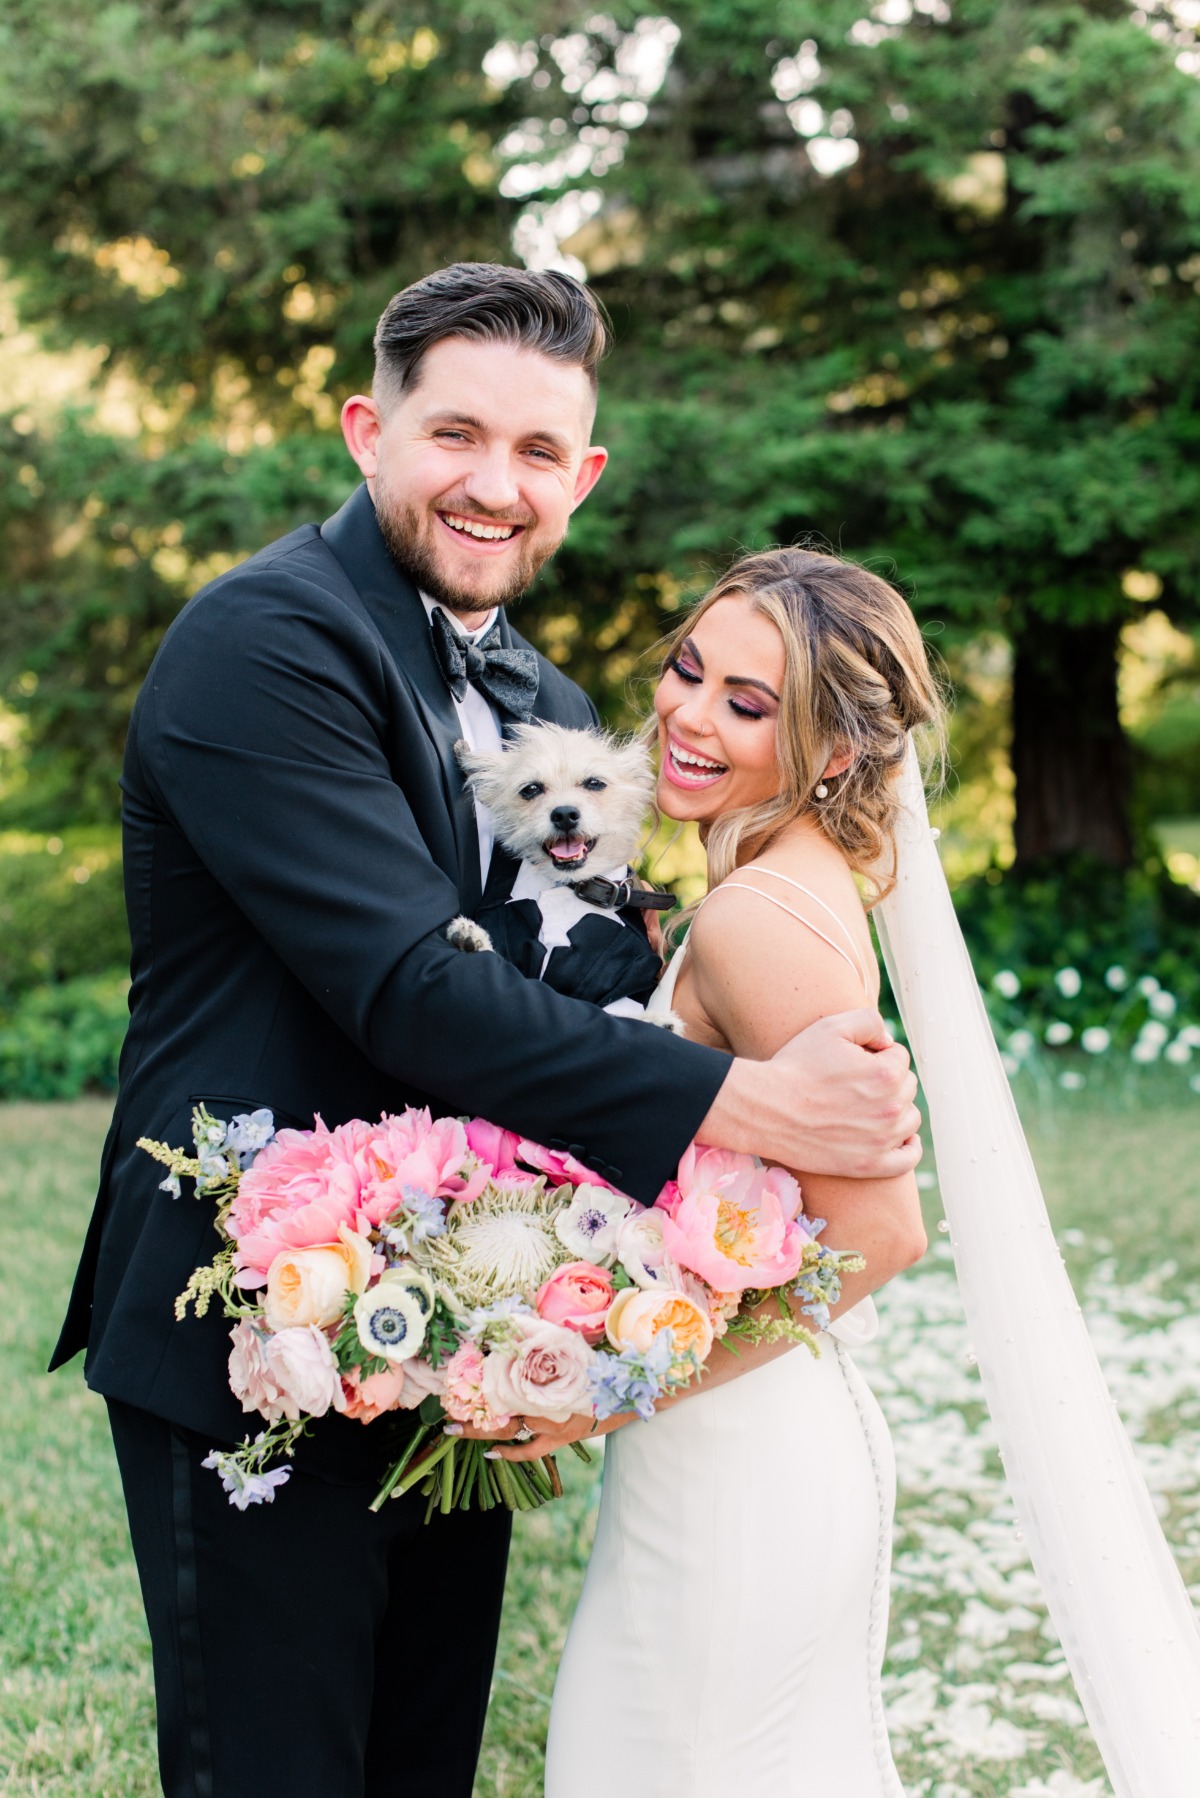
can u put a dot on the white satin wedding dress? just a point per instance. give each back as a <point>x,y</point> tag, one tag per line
<point>731,1629</point>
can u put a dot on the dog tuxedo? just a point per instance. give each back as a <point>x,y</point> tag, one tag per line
<point>600,953</point>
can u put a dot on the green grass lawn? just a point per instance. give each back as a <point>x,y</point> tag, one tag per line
<point>971,1721</point>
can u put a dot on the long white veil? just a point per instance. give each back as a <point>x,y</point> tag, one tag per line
<point>1114,1593</point>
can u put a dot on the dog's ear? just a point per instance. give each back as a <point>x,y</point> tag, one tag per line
<point>475,761</point>
<point>631,763</point>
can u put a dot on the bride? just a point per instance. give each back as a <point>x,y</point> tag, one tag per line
<point>731,1629</point>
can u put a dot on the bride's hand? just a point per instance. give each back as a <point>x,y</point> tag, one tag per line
<point>548,1437</point>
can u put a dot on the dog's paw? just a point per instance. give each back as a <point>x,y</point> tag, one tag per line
<point>467,935</point>
<point>667,1020</point>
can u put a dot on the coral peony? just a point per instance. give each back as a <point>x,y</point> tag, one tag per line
<point>734,1222</point>
<point>365,1400</point>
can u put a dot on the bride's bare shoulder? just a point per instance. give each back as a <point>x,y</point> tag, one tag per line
<point>783,941</point>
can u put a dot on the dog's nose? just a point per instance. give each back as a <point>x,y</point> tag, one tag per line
<point>565,818</point>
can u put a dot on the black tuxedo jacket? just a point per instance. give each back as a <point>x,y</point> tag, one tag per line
<point>296,838</point>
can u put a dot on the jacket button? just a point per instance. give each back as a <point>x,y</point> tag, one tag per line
<point>577,1149</point>
<point>556,1142</point>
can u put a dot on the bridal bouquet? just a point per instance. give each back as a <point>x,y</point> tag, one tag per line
<point>450,1267</point>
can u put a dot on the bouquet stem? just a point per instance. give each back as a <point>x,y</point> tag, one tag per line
<point>453,1474</point>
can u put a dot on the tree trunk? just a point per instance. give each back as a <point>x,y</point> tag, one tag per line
<point>1070,756</point>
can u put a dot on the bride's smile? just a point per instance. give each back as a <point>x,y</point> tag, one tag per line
<point>717,706</point>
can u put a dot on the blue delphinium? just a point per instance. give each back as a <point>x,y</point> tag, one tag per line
<point>636,1379</point>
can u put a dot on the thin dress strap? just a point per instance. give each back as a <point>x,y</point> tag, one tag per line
<point>852,960</point>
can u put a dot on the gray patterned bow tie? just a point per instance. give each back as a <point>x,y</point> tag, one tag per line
<point>508,677</point>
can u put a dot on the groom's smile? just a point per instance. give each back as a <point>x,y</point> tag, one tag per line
<point>476,467</point>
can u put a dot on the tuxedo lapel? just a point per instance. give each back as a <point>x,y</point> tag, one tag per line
<point>395,608</point>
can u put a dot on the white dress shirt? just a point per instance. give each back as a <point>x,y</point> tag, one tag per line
<point>479,724</point>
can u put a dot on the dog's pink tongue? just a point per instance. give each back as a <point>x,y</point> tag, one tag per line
<point>569,851</point>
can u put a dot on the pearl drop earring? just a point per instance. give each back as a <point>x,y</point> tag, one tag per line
<point>822,791</point>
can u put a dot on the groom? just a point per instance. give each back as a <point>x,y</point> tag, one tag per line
<point>297,836</point>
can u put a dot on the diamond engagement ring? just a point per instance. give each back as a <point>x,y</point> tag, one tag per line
<point>524,1434</point>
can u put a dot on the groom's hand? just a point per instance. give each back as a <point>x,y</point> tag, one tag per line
<point>837,1099</point>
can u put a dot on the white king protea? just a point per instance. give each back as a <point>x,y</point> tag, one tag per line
<point>497,1246</point>
<point>391,1316</point>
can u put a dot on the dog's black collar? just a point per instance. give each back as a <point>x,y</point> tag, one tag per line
<point>614,895</point>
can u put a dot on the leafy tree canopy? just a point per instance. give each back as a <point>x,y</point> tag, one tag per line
<point>920,278</point>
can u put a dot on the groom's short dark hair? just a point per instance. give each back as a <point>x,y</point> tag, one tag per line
<point>539,310</point>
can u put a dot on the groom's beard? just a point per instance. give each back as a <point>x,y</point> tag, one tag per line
<point>411,539</point>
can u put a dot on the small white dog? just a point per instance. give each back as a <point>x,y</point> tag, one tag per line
<point>569,806</point>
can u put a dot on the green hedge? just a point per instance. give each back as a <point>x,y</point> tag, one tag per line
<point>60,1041</point>
<point>62,911</point>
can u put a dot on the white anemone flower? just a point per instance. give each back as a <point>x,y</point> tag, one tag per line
<point>1020,1043</point>
<point>1095,1039</point>
<point>1058,1033</point>
<point>1178,1052</point>
<point>1006,983</point>
<point>391,1316</point>
<point>1163,1005</point>
<point>1115,978</point>
<point>588,1226</point>
<point>1153,1032</point>
<point>1071,1082</point>
<point>1068,981</point>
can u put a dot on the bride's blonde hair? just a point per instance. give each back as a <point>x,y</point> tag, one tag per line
<point>856,680</point>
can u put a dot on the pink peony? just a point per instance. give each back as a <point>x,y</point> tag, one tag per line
<point>734,1223</point>
<point>414,1152</point>
<point>497,1147</point>
<point>303,1366</point>
<point>368,1399</point>
<point>463,1395</point>
<point>562,1168</point>
<point>546,1377</point>
<point>576,1296</point>
<point>250,1378</point>
<point>297,1193</point>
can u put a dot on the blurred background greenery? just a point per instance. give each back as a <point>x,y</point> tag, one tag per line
<point>920,280</point>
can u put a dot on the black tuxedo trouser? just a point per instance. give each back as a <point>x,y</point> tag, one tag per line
<point>307,1646</point>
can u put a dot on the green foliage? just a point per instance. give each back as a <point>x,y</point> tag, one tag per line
<point>60,1041</point>
<point>62,909</point>
<point>1088,947</point>
<point>971,350</point>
